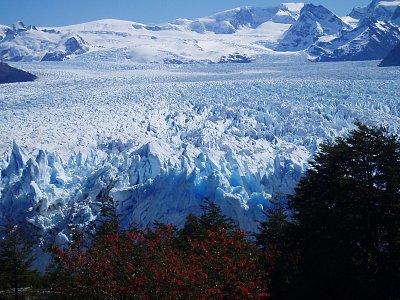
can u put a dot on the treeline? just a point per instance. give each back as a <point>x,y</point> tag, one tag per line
<point>337,237</point>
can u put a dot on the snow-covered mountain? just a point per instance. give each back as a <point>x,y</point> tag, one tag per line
<point>371,40</point>
<point>231,21</point>
<point>375,32</point>
<point>242,34</point>
<point>244,30</point>
<point>28,43</point>
<point>314,23</point>
<point>381,10</point>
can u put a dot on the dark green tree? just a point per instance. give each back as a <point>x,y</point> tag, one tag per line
<point>15,258</point>
<point>271,231</point>
<point>191,229</point>
<point>346,219</point>
<point>211,218</point>
<point>107,220</point>
<point>281,254</point>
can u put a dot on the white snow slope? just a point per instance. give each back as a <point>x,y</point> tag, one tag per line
<point>244,30</point>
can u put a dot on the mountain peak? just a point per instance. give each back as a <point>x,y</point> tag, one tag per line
<point>381,10</point>
<point>19,26</point>
<point>314,22</point>
<point>371,40</point>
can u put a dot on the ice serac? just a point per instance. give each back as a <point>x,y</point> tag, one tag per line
<point>30,186</point>
<point>16,163</point>
<point>149,183</point>
<point>314,23</point>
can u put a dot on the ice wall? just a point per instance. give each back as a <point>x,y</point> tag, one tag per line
<point>150,182</point>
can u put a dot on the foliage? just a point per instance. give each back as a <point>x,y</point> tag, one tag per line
<point>345,221</point>
<point>155,264</point>
<point>15,258</point>
<point>211,218</point>
<point>281,252</point>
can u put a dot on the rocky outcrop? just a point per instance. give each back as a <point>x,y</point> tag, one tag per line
<point>9,74</point>
<point>236,58</point>
<point>74,45</point>
<point>392,59</point>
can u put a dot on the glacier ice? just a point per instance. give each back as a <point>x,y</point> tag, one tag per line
<point>161,139</point>
<point>152,182</point>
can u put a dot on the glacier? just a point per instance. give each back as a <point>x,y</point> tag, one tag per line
<point>162,138</point>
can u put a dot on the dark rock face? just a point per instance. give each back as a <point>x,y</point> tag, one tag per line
<point>236,58</point>
<point>396,16</point>
<point>75,45</point>
<point>153,28</point>
<point>9,74</point>
<point>72,46</point>
<point>392,59</point>
<point>55,56</point>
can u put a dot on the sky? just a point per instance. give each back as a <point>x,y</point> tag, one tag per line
<point>67,12</point>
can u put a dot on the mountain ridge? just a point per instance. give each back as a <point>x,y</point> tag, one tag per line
<point>240,32</point>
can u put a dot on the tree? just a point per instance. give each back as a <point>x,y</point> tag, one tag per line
<point>107,220</point>
<point>15,257</point>
<point>280,250</point>
<point>219,263</point>
<point>151,265</point>
<point>211,218</point>
<point>346,219</point>
<point>270,231</point>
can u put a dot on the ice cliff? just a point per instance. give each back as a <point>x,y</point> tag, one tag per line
<point>152,182</point>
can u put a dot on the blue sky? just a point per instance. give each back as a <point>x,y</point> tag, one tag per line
<point>64,12</point>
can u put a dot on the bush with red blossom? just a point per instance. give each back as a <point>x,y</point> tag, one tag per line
<point>220,263</point>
